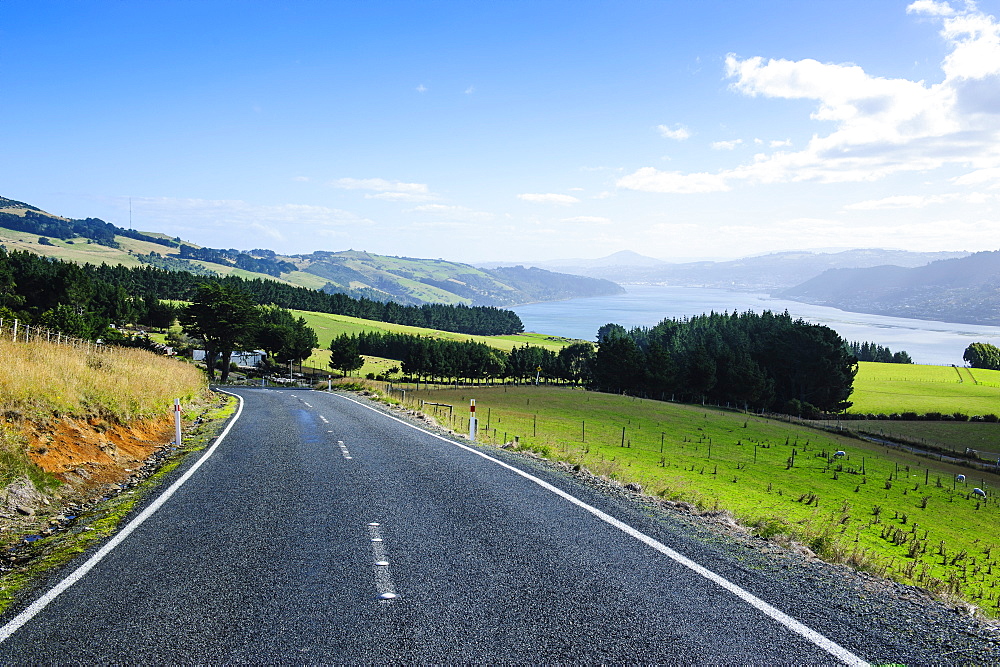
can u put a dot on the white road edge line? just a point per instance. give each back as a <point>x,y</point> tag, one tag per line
<point>38,605</point>
<point>828,645</point>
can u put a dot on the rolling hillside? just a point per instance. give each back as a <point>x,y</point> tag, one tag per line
<point>965,289</point>
<point>409,281</point>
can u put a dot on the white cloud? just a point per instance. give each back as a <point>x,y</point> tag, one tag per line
<point>387,190</point>
<point>895,202</point>
<point>920,201</point>
<point>877,126</point>
<point>988,176</point>
<point>805,233</point>
<point>649,179</point>
<point>212,221</point>
<point>380,185</point>
<point>781,144</point>
<point>301,179</point>
<point>401,196</point>
<point>452,212</point>
<point>726,145</point>
<point>421,88</point>
<point>930,7</point>
<point>678,133</point>
<point>470,90</point>
<point>588,220</point>
<point>549,198</point>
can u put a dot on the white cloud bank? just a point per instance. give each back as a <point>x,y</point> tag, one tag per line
<point>881,126</point>
<point>549,198</point>
<point>225,222</point>
<point>387,190</point>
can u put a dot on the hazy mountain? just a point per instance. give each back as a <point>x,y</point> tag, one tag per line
<point>763,273</point>
<point>411,280</point>
<point>965,289</point>
<point>402,279</point>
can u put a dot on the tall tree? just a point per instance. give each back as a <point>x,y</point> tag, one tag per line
<point>344,355</point>
<point>225,318</point>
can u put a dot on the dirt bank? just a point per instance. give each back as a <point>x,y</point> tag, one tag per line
<point>90,452</point>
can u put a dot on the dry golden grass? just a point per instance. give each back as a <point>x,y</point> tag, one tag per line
<point>40,379</point>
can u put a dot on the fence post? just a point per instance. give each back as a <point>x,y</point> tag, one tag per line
<point>177,422</point>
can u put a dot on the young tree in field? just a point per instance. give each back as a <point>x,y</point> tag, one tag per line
<point>344,355</point>
<point>225,318</point>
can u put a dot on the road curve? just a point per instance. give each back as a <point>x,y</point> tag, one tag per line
<point>320,529</point>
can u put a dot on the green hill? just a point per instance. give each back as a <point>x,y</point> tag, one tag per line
<point>405,280</point>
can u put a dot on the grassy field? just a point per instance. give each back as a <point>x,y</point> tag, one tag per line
<point>888,388</point>
<point>882,510</point>
<point>956,436</point>
<point>328,327</point>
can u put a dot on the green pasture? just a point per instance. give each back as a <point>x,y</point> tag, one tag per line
<point>956,436</point>
<point>328,327</point>
<point>897,388</point>
<point>882,510</point>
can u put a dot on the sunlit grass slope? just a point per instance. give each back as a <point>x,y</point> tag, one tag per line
<point>882,510</point>
<point>888,388</point>
<point>42,379</point>
<point>328,327</point>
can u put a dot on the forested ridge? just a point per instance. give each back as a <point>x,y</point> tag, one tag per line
<point>84,299</point>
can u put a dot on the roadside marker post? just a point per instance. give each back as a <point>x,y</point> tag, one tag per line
<point>472,419</point>
<point>177,422</point>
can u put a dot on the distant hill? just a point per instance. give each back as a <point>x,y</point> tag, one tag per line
<point>404,280</point>
<point>763,273</point>
<point>965,289</point>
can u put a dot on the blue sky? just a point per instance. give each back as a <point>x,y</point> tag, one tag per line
<point>511,131</point>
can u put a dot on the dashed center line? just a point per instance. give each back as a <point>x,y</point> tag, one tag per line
<point>325,420</point>
<point>343,449</point>
<point>383,577</point>
<point>306,404</point>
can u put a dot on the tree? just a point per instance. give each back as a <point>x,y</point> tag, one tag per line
<point>344,354</point>
<point>284,336</point>
<point>225,318</point>
<point>982,355</point>
<point>576,362</point>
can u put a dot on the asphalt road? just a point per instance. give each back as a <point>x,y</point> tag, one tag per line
<point>321,530</point>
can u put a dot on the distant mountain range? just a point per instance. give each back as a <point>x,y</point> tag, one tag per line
<point>764,273</point>
<point>403,280</point>
<point>946,286</point>
<point>965,289</point>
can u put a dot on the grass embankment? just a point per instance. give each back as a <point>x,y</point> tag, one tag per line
<point>884,511</point>
<point>42,388</point>
<point>43,381</point>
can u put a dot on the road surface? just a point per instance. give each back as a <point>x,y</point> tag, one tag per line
<point>319,529</point>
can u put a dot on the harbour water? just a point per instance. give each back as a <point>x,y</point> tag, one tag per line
<point>926,341</point>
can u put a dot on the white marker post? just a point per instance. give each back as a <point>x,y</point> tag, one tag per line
<point>472,419</point>
<point>177,422</point>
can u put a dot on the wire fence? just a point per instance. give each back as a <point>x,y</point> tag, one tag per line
<point>20,332</point>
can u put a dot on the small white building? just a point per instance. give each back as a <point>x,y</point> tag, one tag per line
<point>238,358</point>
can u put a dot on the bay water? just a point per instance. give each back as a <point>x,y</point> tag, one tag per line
<point>926,341</point>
